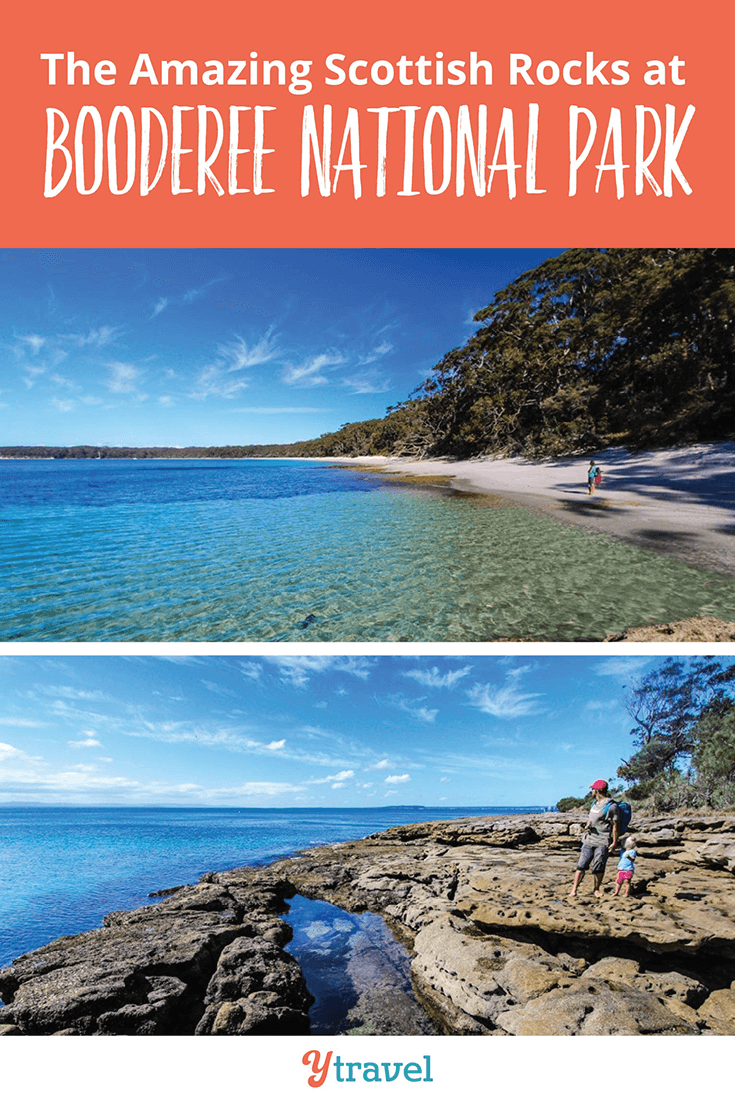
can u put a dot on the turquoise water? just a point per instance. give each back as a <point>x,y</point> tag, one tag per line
<point>62,869</point>
<point>157,550</point>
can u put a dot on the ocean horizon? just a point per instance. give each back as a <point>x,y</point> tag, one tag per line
<point>65,867</point>
<point>276,550</point>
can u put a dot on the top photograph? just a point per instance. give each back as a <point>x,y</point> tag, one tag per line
<point>393,445</point>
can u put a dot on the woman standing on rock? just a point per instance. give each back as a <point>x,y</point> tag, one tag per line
<point>600,836</point>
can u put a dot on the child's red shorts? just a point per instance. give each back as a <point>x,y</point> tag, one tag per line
<point>623,876</point>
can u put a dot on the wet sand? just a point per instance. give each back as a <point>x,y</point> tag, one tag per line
<point>676,501</point>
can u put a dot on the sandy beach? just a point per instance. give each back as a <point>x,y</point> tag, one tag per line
<point>676,501</point>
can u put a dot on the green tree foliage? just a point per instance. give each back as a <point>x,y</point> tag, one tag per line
<point>596,347</point>
<point>677,710</point>
<point>569,803</point>
<point>714,755</point>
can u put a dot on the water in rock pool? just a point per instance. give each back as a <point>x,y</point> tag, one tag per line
<point>356,970</point>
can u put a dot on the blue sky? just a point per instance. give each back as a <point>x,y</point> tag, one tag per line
<point>215,346</point>
<point>311,731</point>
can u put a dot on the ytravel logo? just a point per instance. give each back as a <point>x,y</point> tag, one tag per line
<point>364,1071</point>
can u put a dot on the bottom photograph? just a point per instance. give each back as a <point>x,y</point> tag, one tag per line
<point>523,845</point>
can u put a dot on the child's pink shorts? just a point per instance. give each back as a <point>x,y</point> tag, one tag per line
<point>623,876</point>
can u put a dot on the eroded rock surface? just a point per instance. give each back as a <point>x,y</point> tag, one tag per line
<point>209,959</point>
<point>498,947</point>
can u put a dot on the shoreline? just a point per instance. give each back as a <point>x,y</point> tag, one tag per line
<point>497,946</point>
<point>678,502</point>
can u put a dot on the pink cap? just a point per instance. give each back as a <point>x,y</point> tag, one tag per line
<point>598,784</point>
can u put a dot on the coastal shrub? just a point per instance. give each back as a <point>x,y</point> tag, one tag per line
<point>569,803</point>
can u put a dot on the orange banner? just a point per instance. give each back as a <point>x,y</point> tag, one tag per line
<point>395,124</point>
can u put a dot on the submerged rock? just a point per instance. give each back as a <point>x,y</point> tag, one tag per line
<point>497,946</point>
<point>697,629</point>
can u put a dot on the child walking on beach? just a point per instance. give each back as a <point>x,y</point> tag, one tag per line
<point>626,866</point>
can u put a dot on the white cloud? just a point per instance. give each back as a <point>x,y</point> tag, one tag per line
<point>65,405</point>
<point>434,679</point>
<point>621,666</point>
<point>377,353</point>
<point>34,342</point>
<point>78,744</point>
<point>252,670</point>
<point>385,763</point>
<point>264,788</point>
<point>214,383</point>
<point>276,745</point>
<point>93,338</point>
<point>403,778</point>
<point>70,693</point>
<point>183,300</point>
<point>296,670</point>
<point>219,690</point>
<point>12,721</point>
<point>8,751</point>
<point>610,705</point>
<point>426,715</point>
<point>239,355</point>
<point>311,371</point>
<point>335,779</point>
<point>224,738</point>
<point>123,378</point>
<point>367,382</point>
<point>414,708</point>
<point>504,702</point>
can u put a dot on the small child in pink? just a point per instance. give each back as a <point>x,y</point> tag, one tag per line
<point>626,866</point>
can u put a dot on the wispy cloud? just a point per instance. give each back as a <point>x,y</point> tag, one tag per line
<point>415,709</point>
<point>8,751</point>
<point>213,382</point>
<point>19,721</point>
<point>252,670</point>
<point>621,666</point>
<point>185,298</point>
<point>376,354</point>
<point>403,778</point>
<point>384,763</point>
<point>367,382</point>
<point>123,378</point>
<point>100,337</point>
<point>297,670</point>
<point>336,779</point>
<point>238,354</point>
<point>434,679</point>
<point>311,372</point>
<point>505,701</point>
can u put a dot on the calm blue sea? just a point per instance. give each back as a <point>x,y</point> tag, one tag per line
<point>270,550</point>
<point>62,869</point>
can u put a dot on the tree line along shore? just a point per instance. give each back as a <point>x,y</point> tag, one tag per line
<point>594,348</point>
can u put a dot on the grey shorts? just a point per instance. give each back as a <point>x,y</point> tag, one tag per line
<point>593,858</point>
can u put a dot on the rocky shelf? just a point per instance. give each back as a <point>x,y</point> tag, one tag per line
<point>497,945</point>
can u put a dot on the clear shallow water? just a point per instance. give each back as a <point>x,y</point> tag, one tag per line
<point>358,974</point>
<point>218,550</point>
<point>63,869</point>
